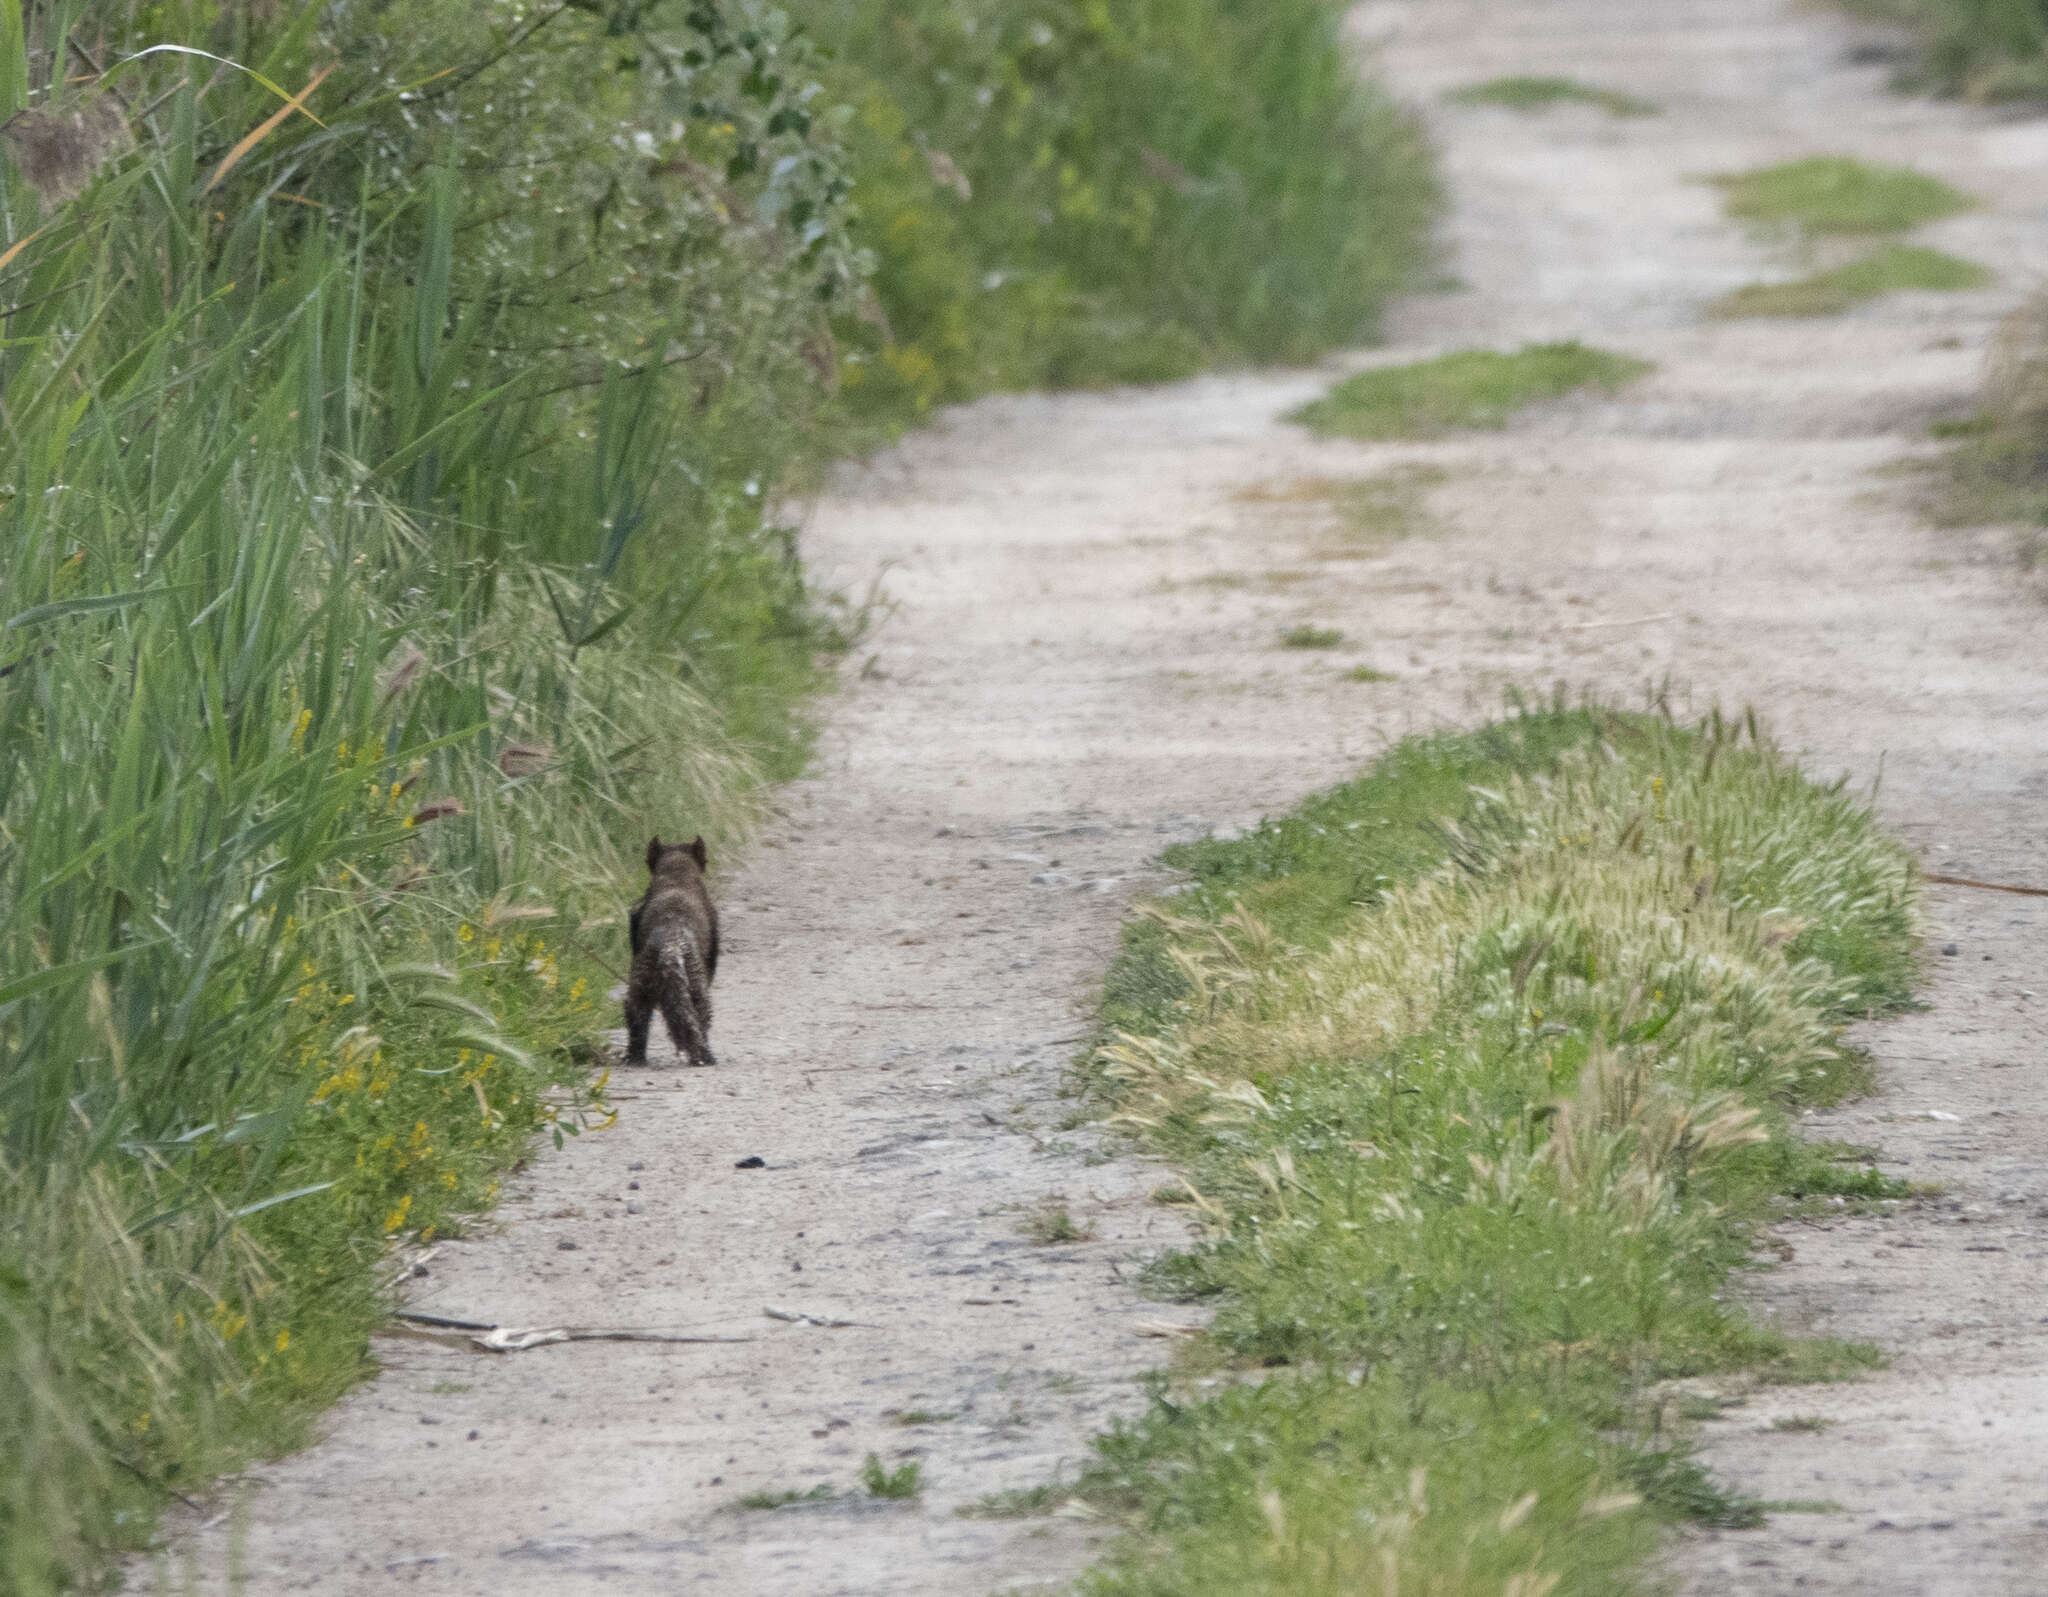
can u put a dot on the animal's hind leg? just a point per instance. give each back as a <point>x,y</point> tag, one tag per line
<point>699,975</point>
<point>639,1017</point>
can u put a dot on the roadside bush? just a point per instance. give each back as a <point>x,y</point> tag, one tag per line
<point>1120,191</point>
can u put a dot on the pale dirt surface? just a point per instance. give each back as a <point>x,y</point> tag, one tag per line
<point>1082,667</point>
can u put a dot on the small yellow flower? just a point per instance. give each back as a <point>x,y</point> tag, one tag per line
<point>465,933</point>
<point>396,1218</point>
<point>299,728</point>
<point>284,1339</point>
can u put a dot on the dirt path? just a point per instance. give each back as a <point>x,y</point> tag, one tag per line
<point>1083,666</point>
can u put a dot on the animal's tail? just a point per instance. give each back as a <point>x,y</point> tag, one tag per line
<point>679,991</point>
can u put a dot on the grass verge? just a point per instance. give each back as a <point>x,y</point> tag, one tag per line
<point>1893,269</point>
<point>1983,50</point>
<point>1998,471</point>
<point>1121,191</point>
<point>1482,1069</point>
<point>1839,194</point>
<point>1541,93</point>
<point>1472,388</point>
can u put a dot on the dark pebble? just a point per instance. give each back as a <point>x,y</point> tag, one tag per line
<point>753,1161</point>
<point>565,1246</point>
<point>1950,949</point>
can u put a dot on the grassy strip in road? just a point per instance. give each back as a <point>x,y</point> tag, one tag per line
<point>1839,194</point>
<point>1891,270</point>
<point>1541,93</point>
<point>1472,388</point>
<point>1481,1069</point>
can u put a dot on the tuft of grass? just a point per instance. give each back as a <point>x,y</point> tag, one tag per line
<point>1821,1361</point>
<point>1024,1502</point>
<point>1839,194</point>
<point>1541,93</point>
<point>907,1480</point>
<point>1359,514</point>
<point>1366,673</point>
<point>1473,388</point>
<point>766,1500</point>
<point>1309,636</point>
<point>922,1416</point>
<point>1482,1070</point>
<point>1050,1221</point>
<point>1801,1424</point>
<point>1896,268</point>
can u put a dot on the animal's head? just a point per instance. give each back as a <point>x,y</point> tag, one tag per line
<point>658,851</point>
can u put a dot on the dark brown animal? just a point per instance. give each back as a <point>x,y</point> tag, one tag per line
<point>674,929</point>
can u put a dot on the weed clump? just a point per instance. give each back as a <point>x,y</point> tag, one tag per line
<point>1309,636</point>
<point>905,1481</point>
<point>1481,1069</point>
<point>1473,388</point>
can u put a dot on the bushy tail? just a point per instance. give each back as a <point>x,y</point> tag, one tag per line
<point>670,975</point>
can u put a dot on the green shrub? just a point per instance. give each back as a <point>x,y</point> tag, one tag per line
<point>1109,192</point>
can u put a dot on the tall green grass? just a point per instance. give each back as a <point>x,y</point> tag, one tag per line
<point>1480,1070</point>
<point>1999,472</point>
<point>386,549</point>
<point>352,634</point>
<point>1115,190</point>
<point>1988,50</point>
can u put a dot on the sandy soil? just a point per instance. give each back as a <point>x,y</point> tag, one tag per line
<point>1082,667</point>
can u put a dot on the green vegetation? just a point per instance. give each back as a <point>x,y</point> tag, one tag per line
<point>1307,636</point>
<point>1838,194</point>
<point>1050,1221</point>
<point>906,1480</point>
<point>1539,94</point>
<point>1482,1068</point>
<point>1892,269</point>
<point>1116,191</point>
<point>1365,673</point>
<point>1999,469</point>
<point>388,484</point>
<point>1363,512</point>
<point>1473,388</point>
<point>1984,50</point>
<point>768,1501</point>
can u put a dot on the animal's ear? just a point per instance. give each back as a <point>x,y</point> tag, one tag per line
<point>653,852</point>
<point>697,852</point>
